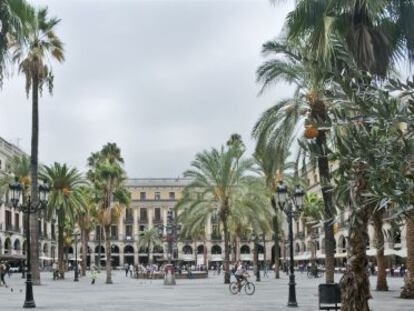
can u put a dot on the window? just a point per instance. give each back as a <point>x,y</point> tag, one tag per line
<point>39,226</point>
<point>45,228</point>
<point>141,228</point>
<point>143,214</point>
<point>172,195</point>
<point>157,213</point>
<point>17,221</point>
<point>52,231</point>
<point>8,220</point>
<point>157,196</point>
<point>114,231</point>
<point>128,231</point>
<point>128,213</point>
<point>142,196</point>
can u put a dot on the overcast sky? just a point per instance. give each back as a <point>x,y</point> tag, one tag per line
<point>162,79</point>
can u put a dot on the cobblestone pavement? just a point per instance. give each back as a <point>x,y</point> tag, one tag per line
<point>207,294</point>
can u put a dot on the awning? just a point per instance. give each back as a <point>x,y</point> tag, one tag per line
<point>372,252</point>
<point>12,257</point>
<point>304,256</point>
<point>340,255</point>
<point>402,253</point>
<point>45,258</point>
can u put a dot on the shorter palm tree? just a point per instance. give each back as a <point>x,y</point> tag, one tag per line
<point>66,199</point>
<point>148,239</point>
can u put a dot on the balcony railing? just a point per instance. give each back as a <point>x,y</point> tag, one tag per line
<point>11,228</point>
<point>128,238</point>
<point>129,220</point>
<point>143,220</point>
<point>114,237</point>
<point>157,221</point>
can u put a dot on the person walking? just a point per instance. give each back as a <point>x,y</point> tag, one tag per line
<point>2,274</point>
<point>265,270</point>
<point>94,276</point>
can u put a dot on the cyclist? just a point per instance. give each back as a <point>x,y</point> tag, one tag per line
<point>240,274</point>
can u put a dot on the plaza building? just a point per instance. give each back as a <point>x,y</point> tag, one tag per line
<point>12,237</point>
<point>151,198</point>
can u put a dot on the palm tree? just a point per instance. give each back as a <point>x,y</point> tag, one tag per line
<point>86,220</point>
<point>377,219</point>
<point>147,238</point>
<point>108,179</point>
<point>66,199</point>
<point>217,179</point>
<point>376,33</point>
<point>15,15</point>
<point>279,124</point>
<point>41,45</point>
<point>271,161</point>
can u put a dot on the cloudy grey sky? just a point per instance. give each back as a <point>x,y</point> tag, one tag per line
<point>162,79</point>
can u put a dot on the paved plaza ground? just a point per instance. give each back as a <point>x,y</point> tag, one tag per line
<point>207,294</point>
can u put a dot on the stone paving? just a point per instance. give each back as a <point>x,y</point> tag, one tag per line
<point>206,294</point>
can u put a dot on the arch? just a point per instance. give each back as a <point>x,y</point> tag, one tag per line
<point>17,246</point>
<point>7,246</point>
<point>317,245</point>
<point>143,250</point>
<point>303,247</point>
<point>245,249</point>
<point>53,252</point>
<point>260,249</point>
<point>187,249</point>
<point>200,249</point>
<point>216,249</point>
<point>158,249</point>
<point>128,249</point>
<point>70,250</point>
<point>102,249</point>
<point>114,249</point>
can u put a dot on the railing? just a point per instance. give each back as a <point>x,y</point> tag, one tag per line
<point>157,221</point>
<point>129,220</point>
<point>114,237</point>
<point>143,220</point>
<point>11,228</point>
<point>128,238</point>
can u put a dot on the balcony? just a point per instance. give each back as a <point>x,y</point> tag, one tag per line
<point>114,237</point>
<point>143,221</point>
<point>129,220</point>
<point>128,238</point>
<point>157,221</point>
<point>13,229</point>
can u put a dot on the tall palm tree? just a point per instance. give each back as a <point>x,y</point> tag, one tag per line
<point>217,179</point>
<point>66,199</point>
<point>280,124</point>
<point>108,179</point>
<point>377,219</point>
<point>377,33</point>
<point>147,239</point>
<point>86,220</point>
<point>41,45</point>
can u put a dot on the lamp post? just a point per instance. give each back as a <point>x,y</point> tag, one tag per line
<point>76,279</point>
<point>292,205</point>
<point>172,230</point>
<point>255,239</point>
<point>28,208</point>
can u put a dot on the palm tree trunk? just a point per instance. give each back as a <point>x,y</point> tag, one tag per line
<point>237,249</point>
<point>379,241</point>
<point>325,178</point>
<point>226,251</point>
<point>276,239</point>
<point>205,252</point>
<point>61,250</point>
<point>34,230</point>
<point>355,281</point>
<point>108,254</point>
<point>408,289</point>
<point>149,253</point>
<point>84,251</point>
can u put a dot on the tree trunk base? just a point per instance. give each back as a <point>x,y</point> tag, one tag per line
<point>354,292</point>
<point>382,288</point>
<point>226,277</point>
<point>408,290</point>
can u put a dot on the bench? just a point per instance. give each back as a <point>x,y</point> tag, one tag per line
<point>329,297</point>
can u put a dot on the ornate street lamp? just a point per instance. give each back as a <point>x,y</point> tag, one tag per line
<point>255,239</point>
<point>292,205</point>
<point>28,208</point>
<point>172,230</point>
<point>76,278</point>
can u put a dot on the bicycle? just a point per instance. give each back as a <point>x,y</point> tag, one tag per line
<point>236,287</point>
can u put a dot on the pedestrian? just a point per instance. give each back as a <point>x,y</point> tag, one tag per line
<point>218,269</point>
<point>265,270</point>
<point>55,271</point>
<point>3,270</point>
<point>131,270</point>
<point>94,276</point>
